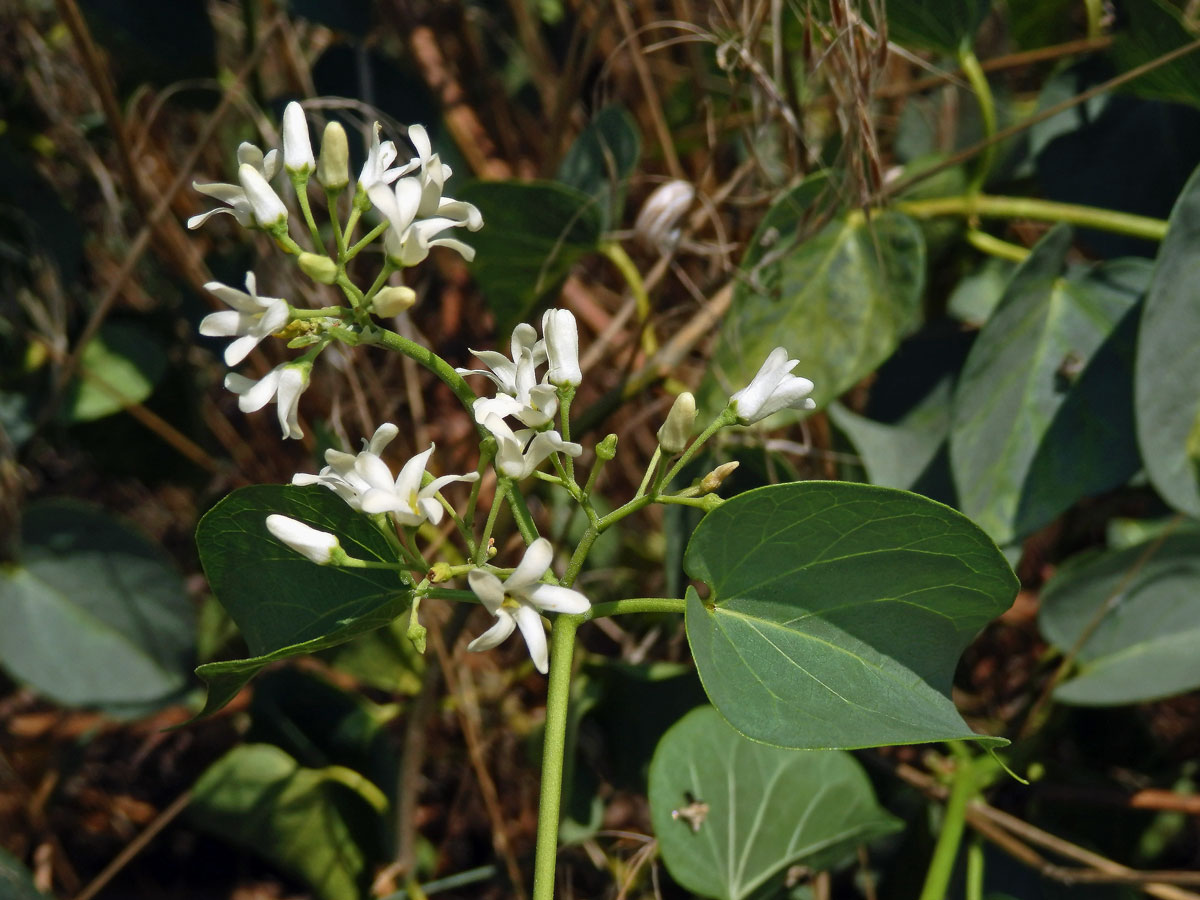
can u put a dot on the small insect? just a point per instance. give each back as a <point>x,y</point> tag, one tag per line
<point>694,813</point>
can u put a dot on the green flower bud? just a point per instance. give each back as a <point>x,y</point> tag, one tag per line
<point>319,268</point>
<point>713,479</point>
<point>333,168</point>
<point>607,448</point>
<point>393,300</point>
<point>676,431</point>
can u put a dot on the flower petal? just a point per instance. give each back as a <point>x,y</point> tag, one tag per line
<point>487,588</point>
<point>497,634</point>
<point>534,633</point>
<point>553,598</point>
<point>531,568</point>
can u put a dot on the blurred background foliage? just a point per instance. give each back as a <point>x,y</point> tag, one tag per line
<point>820,136</point>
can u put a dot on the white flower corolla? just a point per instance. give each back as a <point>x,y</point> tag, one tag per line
<point>432,175</point>
<point>285,383</point>
<point>656,222</point>
<point>340,474</point>
<point>408,240</point>
<point>234,195</point>
<point>772,389</point>
<point>297,146</point>
<point>503,372</point>
<point>408,502</point>
<point>562,347</point>
<point>268,209</point>
<point>517,602</point>
<point>251,320</point>
<point>377,168</point>
<point>319,546</point>
<point>519,453</point>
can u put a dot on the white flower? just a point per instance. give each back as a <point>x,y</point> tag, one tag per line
<point>285,382</point>
<point>656,222</point>
<point>264,202</point>
<point>562,347</point>
<point>341,474</point>
<point>432,177</point>
<point>519,393</point>
<point>503,372</point>
<point>519,453</point>
<point>319,546</point>
<point>408,240</point>
<point>772,389</point>
<point>251,320</point>
<point>676,431</point>
<point>516,603</point>
<point>408,502</point>
<point>380,155</point>
<point>297,147</point>
<point>235,195</point>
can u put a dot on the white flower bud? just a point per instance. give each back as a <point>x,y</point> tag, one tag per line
<point>319,546</point>
<point>268,208</point>
<point>656,223</point>
<point>333,168</point>
<point>297,149</point>
<point>676,431</point>
<point>772,389</point>
<point>562,347</point>
<point>393,300</point>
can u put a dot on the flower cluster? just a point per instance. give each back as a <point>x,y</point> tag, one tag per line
<point>527,416</point>
<point>521,396</point>
<point>409,198</point>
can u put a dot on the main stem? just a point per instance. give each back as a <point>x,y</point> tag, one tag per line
<point>562,651</point>
<point>987,206</point>
<point>941,866</point>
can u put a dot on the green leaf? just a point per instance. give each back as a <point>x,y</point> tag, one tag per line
<point>1042,412</point>
<point>1152,29</point>
<point>837,613</point>
<point>1144,647</point>
<point>1167,378</point>
<point>601,160</point>
<point>533,233</point>
<point>15,882</point>
<point>839,302</point>
<point>730,813</point>
<point>317,824</point>
<point>93,613</point>
<point>898,455</point>
<point>284,604</point>
<point>935,24</point>
<point>118,367</point>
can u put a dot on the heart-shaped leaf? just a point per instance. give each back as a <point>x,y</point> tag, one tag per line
<point>730,813</point>
<point>935,24</point>
<point>838,301</point>
<point>601,160</point>
<point>1044,356</point>
<point>1141,603</point>
<point>1167,381</point>
<point>318,824</point>
<point>93,613</point>
<point>838,611</point>
<point>284,604</point>
<point>533,232</point>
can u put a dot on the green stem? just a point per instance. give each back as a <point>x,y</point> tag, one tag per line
<point>994,246</point>
<point>382,337</point>
<point>365,240</point>
<point>558,693</point>
<point>975,869</point>
<point>637,287</point>
<point>324,312</point>
<point>300,183</point>
<point>481,550</point>
<point>636,605</point>
<point>941,866</point>
<point>380,280</point>
<point>516,501</point>
<point>651,468</point>
<point>339,237</point>
<point>452,594</point>
<point>727,417</point>
<point>987,206</point>
<point>987,111</point>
